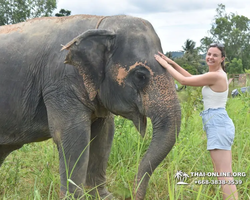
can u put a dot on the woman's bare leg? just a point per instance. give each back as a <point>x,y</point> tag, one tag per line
<point>222,161</point>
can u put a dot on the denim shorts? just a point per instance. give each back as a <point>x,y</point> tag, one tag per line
<point>219,128</point>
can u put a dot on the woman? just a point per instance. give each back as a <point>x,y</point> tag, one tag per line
<point>218,126</point>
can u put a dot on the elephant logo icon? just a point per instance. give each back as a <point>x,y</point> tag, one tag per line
<point>181,177</point>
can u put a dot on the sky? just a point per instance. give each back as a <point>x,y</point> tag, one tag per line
<point>174,21</point>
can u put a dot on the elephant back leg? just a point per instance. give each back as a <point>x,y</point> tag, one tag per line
<point>5,150</point>
<point>102,133</point>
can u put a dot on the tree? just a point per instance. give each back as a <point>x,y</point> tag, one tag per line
<point>235,67</point>
<point>190,68</point>
<point>233,31</point>
<point>63,12</point>
<point>191,60</point>
<point>14,11</point>
<point>189,46</point>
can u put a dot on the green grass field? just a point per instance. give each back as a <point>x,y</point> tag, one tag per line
<point>32,172</point>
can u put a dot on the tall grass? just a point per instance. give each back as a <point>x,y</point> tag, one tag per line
<point>32,172</point>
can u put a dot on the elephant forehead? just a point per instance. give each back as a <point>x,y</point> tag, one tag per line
<point>121,72</point>
<point>141,64</point>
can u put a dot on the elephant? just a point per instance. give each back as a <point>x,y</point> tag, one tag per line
<point>66,78</point>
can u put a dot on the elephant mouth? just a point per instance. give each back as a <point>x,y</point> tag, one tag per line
<point>141,124</point>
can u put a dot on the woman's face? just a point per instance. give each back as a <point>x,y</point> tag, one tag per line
<point>214,57</point>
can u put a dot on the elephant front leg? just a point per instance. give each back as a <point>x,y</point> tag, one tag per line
<point>73,159</point>
<point>71,132</point>
<point>102,133</point>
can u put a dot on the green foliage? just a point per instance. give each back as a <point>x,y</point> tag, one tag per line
<point>191,69</point>
<point>247,71</point>
<point>14,11</point>
<point>191,99</point>
<point>31,172</point>
<point>62,13</point>
<point>234,32</point>
<point>191,62</point>
<point>235,67</point>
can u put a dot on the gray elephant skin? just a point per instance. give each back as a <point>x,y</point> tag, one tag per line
<point>70,93</point>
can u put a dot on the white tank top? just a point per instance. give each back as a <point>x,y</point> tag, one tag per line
<point>213,99</point>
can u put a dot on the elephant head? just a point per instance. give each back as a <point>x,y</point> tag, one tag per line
<point>118,67</point>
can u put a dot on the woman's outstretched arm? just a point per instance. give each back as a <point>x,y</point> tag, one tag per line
<point>194,80</point>
<point>175,65</point>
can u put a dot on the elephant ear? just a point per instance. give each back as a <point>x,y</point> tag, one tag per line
<point>90,52</point>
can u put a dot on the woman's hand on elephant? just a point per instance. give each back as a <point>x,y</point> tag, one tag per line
<point>162,61</point>
<point>166,58</point>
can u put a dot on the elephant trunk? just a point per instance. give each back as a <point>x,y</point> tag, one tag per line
<point>166,126</point>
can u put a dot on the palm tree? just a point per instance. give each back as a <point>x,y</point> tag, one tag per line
<point>189,46</point>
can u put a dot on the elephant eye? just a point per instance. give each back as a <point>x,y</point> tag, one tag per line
<point>140,76</point>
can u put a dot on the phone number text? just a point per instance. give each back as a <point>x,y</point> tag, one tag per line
<point>218,182</point>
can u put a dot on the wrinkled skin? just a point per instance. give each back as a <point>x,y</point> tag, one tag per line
<point>71,95</point>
